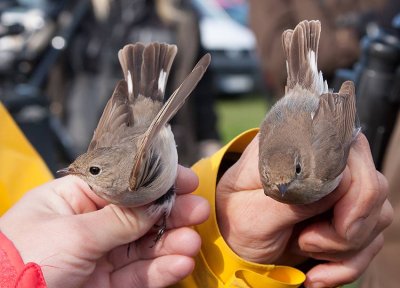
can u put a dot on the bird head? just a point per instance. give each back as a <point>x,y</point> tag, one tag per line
<point>280,169</point>
<point>102,169</point>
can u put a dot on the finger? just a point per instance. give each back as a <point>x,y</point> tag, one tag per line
<point>244,174</point>
<point>159,272</point>
<point>112,226</point>
<point>334,274</point>
<point>188,210</point>
<point>334,251</point>
<point>77,194</point>
<point>183,241</point>
<point>186,180</point>
<point>321,241</point>
<point>357,212</point>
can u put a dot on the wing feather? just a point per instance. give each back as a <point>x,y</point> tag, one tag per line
<point>334,127</point>
<point>114,119</point>
<point>169,109</point>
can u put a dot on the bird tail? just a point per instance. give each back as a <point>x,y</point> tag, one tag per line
<point>301,49</point>
<point>146,69</point>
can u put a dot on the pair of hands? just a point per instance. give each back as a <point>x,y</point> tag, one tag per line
<point>79,241</point>
<point>346,239</point>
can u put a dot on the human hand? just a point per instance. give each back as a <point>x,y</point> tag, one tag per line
<point>344,228</point>
<point>80,241</point>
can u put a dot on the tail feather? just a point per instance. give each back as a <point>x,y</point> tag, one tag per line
<point>146,69</point>
<point>301,49</point>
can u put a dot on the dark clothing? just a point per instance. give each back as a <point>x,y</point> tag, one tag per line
<point>339,42</point>
<point>384,269</point>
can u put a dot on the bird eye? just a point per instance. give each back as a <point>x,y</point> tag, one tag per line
<point>298,168</point>
<point>94,170</point>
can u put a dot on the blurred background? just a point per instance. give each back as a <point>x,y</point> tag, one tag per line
<point>58,64</point>
<point>58,67</point>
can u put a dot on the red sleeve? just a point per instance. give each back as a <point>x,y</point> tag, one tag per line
<point>13,272</point>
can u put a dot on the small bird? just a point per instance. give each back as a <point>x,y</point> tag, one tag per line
<point>132,158</point>
<point>305,138</point>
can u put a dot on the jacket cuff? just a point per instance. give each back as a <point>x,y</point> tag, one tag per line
<point>13,271</point>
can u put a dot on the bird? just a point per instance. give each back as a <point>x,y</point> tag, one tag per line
<point>305,138</point>
<point>132,158</point>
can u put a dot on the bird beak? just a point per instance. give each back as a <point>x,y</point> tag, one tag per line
<point>283,189</point>
<point>65,171</point>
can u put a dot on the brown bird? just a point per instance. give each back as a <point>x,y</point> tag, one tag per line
<point>306,136</point>
<point>132,159</point>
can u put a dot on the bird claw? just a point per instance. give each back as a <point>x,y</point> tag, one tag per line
<point>161,230</point>
<point>128,250</point>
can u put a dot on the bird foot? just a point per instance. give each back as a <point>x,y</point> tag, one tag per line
<point>161,229</point>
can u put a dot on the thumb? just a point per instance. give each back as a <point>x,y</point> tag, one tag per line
<point>243,175</point>
<point>113,226</point>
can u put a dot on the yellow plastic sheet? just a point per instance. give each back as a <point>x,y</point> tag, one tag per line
<point>21,168</point>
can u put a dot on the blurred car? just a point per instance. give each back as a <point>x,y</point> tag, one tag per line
<point>237,9</point>
<point>234,66</point>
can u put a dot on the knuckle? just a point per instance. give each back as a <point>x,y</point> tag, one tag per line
<point>383,185</point>
<point>375,193</point>
<point>355,244</point>
<point>373,189</point>
<point>379,243</point>
<point>375,246</point>
<point>386,216</point>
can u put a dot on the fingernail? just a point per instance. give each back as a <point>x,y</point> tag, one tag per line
<point>355,229</point>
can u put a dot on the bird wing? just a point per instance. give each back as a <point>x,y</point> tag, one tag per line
<point>114,120</point>
<point>334,128</point>
<point>169,109</point>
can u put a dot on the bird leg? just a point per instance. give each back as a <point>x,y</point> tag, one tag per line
<point>161,229</point>
<point>160,233</point>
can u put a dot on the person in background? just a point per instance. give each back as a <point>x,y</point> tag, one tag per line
<point>383,272</point>
<point>342,23</point>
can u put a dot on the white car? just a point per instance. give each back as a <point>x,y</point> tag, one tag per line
<point>234,66</point>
